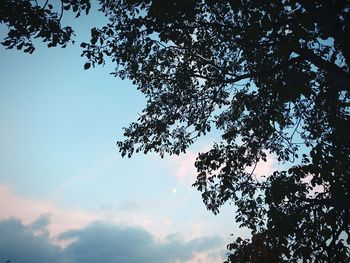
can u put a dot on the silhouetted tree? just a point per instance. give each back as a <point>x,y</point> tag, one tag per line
<point>272,77</point>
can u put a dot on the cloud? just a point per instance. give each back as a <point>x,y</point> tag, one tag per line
<point>185,171</point>
<point>264,169</point>
<point>100,242</point>
<point>28,210</point>
<point>19,243</point>
<point>57,219</point>
<point>42,222</point>
<point>183,165</point>
<point>185,168</point>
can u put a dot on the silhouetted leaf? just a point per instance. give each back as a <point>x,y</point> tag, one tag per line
<point>87,65</point>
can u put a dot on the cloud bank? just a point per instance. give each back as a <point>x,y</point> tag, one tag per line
<point>98,242</point>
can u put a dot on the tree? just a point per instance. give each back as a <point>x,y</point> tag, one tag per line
<point>28,19</point>
<point>273,78</point>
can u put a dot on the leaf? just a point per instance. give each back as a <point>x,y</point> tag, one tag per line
<point>87,65</point>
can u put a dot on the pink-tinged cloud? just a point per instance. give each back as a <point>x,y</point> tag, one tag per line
<point>186,172</point>
<point>315,189</point>
<point>63,219</point>
<point>184,166</point>
<point>64,226</point>
<point>204,257</point>
<point>29,210</point>
<point>266,168</point>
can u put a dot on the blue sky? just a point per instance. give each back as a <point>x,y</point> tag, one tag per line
<point>64,188</point>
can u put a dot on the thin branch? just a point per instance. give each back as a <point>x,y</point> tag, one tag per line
<point>61,11</point>
<point>47,1</point>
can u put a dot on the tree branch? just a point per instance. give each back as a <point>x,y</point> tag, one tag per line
<point>340,77</point>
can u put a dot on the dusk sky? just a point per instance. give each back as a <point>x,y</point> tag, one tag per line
<point>66,194</point>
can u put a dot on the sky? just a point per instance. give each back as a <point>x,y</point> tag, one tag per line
<point>66,194</point>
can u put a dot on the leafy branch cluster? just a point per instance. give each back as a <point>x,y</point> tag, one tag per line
<point>28,20</point>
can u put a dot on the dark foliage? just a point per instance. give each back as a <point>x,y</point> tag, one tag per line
<point>273,77</point>
<point>27,20</point>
